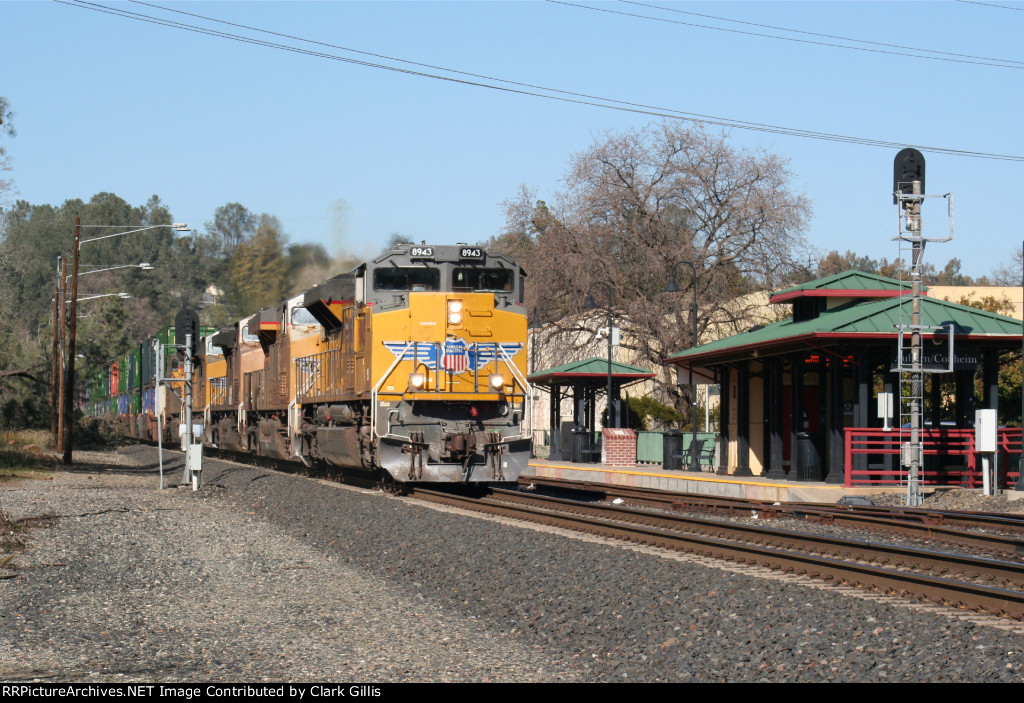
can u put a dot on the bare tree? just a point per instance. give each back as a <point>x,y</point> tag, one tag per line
<point>637,204</point>
<point>1010,274</point>
<point>6,127</point>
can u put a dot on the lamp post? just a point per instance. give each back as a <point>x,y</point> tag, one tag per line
<point>534,329</point>
<point>73,315</point>
<point>60,316</point>
<point>673,287</point>
<point>589,304</point>
<point>123,296</point>
<point>145,266</point>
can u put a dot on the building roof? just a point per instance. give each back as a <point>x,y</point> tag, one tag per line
<point>848,284</point>
<point>595,368</point>
<point>861,320</point>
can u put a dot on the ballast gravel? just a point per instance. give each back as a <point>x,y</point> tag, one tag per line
<point>263,576</point>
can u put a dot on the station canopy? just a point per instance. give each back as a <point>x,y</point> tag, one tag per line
<point>590,372</point>
<point>847,308</point>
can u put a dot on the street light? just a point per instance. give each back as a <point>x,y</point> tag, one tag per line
<point>58,390</point>
<point>589,304</point>
<point>124,296</point>
<point>145,266</point>
<point>72,324</point>
<point>673,287</point>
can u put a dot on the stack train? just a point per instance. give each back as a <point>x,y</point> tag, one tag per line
<point>411,366</point>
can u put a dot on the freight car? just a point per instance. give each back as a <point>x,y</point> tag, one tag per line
<point>412,365</point>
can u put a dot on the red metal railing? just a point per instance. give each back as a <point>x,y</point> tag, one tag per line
<point>950,457</point>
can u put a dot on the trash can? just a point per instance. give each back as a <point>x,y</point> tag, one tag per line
<point>672,450</point>
<point>580,444</point>
<point>809,468</point>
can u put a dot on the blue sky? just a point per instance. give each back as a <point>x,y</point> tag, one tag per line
<point>345,154</point>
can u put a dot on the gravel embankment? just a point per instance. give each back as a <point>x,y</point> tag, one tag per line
<point>264,576</point>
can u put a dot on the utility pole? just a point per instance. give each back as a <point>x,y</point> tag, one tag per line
<point>55,375</point>
<point>69,381</point>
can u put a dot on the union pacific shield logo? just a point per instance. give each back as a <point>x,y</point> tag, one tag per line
<point>454,357</point>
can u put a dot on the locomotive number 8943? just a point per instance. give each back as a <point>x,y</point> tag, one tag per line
<point>413,364</point>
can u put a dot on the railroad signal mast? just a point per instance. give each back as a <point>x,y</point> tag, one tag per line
<point>909,196</point>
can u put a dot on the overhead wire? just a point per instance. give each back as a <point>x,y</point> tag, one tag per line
<point>518,87</point>
<point>992,4</point>
<point>986,62</point>
<point>997,61</point>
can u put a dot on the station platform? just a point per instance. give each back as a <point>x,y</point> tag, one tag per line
<point>703,482</point>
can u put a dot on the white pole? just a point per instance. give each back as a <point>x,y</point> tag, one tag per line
<point>158,377</point>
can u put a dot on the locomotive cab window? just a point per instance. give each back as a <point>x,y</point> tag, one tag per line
<point>407,278</point>
<point>481,280</point>
<point>302,316</point>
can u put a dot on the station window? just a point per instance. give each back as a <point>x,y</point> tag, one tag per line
<point>407,278</point>
<point>481,280</point>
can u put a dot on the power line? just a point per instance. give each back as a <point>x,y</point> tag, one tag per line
<point>520,88</point>
<point>992,4</point>
<point>996,63</point>
<point>830,36</point>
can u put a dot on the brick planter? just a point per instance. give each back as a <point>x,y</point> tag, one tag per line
<point>618,447</point>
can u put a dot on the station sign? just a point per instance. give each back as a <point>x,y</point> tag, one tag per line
<point>938,359</point>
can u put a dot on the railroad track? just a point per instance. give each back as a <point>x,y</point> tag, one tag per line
<point>986,532</point>
<point>987,585</point>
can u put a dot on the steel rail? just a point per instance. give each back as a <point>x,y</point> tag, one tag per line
<point>954,592</point>
<point>848,516</point>
<point>975,567</point>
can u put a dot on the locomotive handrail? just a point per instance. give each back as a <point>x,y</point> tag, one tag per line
<point>527,390</point>
<point>293,431</point>
<point>392,411</point>
<point>373,393</point>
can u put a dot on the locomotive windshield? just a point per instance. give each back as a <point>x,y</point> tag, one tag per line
<point>481,280</point>
<point>407,278</point>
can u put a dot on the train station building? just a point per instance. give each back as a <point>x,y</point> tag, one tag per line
<point>805,398</point>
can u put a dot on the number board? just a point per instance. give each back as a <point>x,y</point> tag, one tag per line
<point>422,252</point>
<point>471,253</point>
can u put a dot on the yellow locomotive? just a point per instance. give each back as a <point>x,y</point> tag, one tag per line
<point>413,363</point>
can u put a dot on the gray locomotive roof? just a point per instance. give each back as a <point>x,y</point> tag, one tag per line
<point>226,338</point>
<point>404,255</point>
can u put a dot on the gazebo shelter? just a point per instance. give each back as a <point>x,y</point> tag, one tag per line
<point>800,397</point>
<point>582,381</point>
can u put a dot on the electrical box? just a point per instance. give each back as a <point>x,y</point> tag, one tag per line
<point>885,406</point>
<point>985,431</point>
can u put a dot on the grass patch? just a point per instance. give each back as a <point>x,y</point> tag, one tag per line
<point>10,536</point>
<point>23,454</point>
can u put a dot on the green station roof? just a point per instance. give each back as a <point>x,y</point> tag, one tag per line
<point>589,369</point>
<point>863,319</point>
<point>852,284</point>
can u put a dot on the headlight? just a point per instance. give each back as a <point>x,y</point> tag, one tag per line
<point>454,312</point>
<point>496,380</point>
<point>416,380</point>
